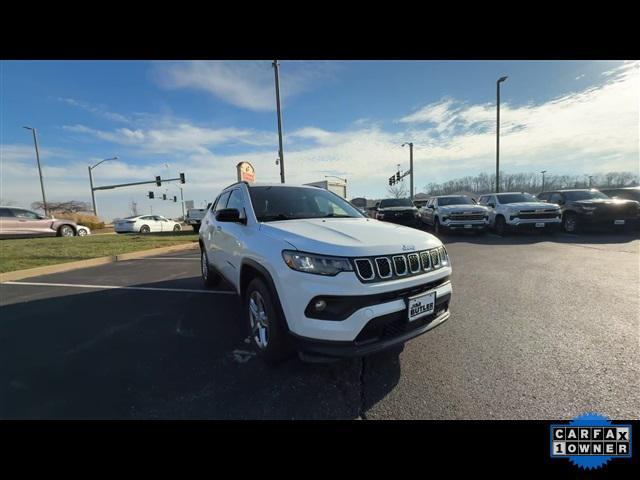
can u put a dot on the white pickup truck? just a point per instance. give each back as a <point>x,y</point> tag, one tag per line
<point>316,276</point>
<point>195,216</point>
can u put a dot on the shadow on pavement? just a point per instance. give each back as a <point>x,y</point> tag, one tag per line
<point>122,354</point>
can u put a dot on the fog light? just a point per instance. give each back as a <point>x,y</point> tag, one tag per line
<point>320,305</point>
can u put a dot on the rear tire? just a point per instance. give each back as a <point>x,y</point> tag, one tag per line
<point>501,226</point>
<point>145,229</point>
<point>176,228</point>
<point>82,232</point>
<point>267,329</point>
<point>210,278</point>
<point>65,231</point>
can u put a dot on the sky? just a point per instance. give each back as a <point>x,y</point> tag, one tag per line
<point>343,118</point>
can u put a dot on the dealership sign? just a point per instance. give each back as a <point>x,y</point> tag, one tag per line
<point>246,173</point>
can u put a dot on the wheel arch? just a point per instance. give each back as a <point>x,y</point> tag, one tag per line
<point>251,269</point>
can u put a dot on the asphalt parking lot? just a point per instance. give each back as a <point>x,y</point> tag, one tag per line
<point>542,327</point>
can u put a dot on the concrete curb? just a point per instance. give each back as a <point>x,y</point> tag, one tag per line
<point>92,262</point>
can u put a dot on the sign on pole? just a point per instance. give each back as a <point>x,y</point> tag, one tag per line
<point>188,204</point>
<point>246,173</point>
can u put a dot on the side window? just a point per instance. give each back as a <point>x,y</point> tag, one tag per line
<point>24,214</point>
<point>555,198</point>
<point>222,201</point>
<point>543,196</point>
<point>482,200</point>
<point>5,212</point>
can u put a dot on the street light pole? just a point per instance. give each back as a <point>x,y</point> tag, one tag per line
<point>500,80</point>
<point>280,151</point>
<point>93,194</point>
<point>410,169</point>
<point>543,172</point>
<point>35,142</point>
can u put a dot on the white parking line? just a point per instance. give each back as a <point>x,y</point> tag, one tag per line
<point>118,287</point>
<point>168,258</point>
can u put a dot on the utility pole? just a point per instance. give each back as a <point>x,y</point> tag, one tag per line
<point>280,151</point>
<point>35,142</point>
<point>410,169</point>
<point>543,172</point>
<point>500,80</point>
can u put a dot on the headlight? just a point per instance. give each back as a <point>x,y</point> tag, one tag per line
<point>588,209</point>
<point>318,264</point>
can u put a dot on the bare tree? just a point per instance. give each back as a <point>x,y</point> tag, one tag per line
<point>399,190</point>
<point>71,206</point>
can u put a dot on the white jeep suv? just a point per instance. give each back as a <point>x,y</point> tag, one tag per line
<point>520,211</point>
<point>317,276</point>
<point>454,212</point>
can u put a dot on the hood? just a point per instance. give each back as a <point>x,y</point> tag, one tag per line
<point>532,206</point>
<point>396,209</point>
<point>613,202</point>
<point>349,237</point>
<point>464,208</point>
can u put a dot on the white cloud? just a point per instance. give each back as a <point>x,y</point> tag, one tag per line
<point>96,110</point>
<point>245,84</point>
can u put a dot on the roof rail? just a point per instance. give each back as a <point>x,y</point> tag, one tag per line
<point>236,183</point>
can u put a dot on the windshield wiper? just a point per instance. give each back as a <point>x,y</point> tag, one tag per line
<point>280,216</point>
<point>336,215</point>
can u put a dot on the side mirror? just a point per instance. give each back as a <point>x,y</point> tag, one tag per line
<point>229,215</point>
<point>492,205</point>
<point>432,207</point>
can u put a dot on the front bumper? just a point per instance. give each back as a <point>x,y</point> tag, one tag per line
<point>381,333</point>
<point>381,298</point>
<point>607,221</point>
<point>465,225</point>
<point>534,224</point>
<point>125,228</point>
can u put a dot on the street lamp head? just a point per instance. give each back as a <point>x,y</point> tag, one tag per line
<point>502,79</point>
<point>28,128</point>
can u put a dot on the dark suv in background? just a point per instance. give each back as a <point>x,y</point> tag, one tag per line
<point>398,210</point>
<point>592,208</point>
<point>626,193</point>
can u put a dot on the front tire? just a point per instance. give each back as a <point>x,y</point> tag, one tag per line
<point>82,232</point>
<point>501,226</point>
<point>437,228</point>
<point>176,228</point>
<point>570,222</point>
<point>196,228</point>
<point>66,231</point>
<point>145,229</point>
<point>267,330</point>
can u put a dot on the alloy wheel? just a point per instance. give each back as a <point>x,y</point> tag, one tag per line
<point>258,320</point>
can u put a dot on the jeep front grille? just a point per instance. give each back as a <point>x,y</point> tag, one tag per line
<point>389,267</point>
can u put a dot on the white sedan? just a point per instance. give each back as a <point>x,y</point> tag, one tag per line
<point>82,231</point>
<point>146,224</point>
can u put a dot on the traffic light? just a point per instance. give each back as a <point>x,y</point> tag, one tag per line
<point>182,180</point>
<point>175,199</point>
<point>390,181</point>
<point>398,177</point>
<point>158,181</point>
<point>164,196</point>
<point>151,195</point>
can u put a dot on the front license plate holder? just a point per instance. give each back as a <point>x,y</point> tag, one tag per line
<point>540,225</point>
<point>421,305</point>
<point>618,222</point>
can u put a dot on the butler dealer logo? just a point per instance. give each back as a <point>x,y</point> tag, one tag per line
<point>590,440</point>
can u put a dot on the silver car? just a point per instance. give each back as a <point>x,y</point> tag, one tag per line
<point>20,222</point>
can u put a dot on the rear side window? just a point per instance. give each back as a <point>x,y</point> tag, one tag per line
<point>5,212</point>
<point>235,201</point>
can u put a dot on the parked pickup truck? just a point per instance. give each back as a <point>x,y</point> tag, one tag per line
<point>195,216</point>
<point>315,275</point>
<point>454,212</point>
<point>513,211</point>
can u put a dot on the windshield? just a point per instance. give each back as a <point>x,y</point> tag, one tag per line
<point>287,203</point>
<point>462,200</point>
<point>516,198</point>
<point>395,202</point>
<point>584,195</point>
